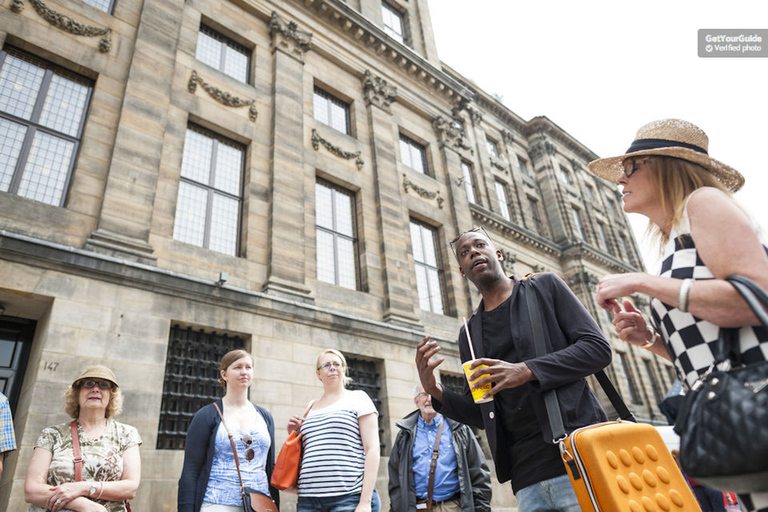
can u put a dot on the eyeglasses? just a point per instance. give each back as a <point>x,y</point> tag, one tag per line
<point>103,384</point>
<point>419,395</point>
<point>327,366</point>
<point>248,441</point>
<point>631,165</point>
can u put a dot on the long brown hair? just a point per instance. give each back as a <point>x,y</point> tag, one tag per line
<point>675,179</point>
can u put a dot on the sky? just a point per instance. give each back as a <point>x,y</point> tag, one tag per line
<point>601,69</point>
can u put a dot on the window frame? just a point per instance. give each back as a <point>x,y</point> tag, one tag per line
<point>225,42</point>
<point>493,147</point>
<point>211,190</point>
<point>522,163</point>
<point>579,231</point>
<point>533,205</point>
<point>468,177</point>
<point>336,234</point>
<point>109,9</point>
<point>502,194</point>
<point>393,12</point>
<point>412,146</point>
<point>33,126</point>
<point>441,292</point>
<point>332,99</point>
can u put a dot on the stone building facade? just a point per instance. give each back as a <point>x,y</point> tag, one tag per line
<point>178,178</point>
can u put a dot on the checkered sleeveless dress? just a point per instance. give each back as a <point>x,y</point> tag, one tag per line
<point>688,337</point>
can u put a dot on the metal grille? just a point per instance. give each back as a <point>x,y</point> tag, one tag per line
<point>453,382</point>
<point>191,380</point>
<point>365,376</point>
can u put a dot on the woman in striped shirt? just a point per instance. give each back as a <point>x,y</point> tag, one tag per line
<point>340,436</point>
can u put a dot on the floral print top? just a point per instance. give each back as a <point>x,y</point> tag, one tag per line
<point>102,457</point>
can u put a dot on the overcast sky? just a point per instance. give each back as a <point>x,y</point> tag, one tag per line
<point>601,69</point>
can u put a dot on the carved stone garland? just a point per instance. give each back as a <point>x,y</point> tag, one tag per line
<point>422,191</point>
<point>222,97</point>
<point>317,140</point>
<point>67,24</point>
<point>378,92</point>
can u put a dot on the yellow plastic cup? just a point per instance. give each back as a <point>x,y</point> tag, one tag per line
<point>477,394</point>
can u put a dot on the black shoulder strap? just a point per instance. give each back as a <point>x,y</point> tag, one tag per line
<point>550,397</point>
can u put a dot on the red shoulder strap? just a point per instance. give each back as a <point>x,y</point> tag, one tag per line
<point>76,450</point>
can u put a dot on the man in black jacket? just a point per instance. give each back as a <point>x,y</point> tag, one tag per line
<point>516,421</point>
<point>462,481</point>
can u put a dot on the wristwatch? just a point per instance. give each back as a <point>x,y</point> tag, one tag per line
<point>92,490</point>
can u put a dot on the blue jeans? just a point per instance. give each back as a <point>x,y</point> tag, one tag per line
<point>345,503</point>
<point>553,495</point>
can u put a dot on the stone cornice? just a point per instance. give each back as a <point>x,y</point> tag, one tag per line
<point>543,125</point>
<point>515,232</point>
<point>371,36</point>
<point>584,251</point>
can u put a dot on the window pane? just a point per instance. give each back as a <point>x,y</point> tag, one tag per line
<point>338,117</point>
<point>224,224</point>
<point>229,166</point>
<point>434,291</point>
<point>10,147</point>
<point>422,286</point>
<point>19,86</point>
<point>191,209</point>
<point>196,162</point>
<point>343,204</point>
<point>320,104</point>
<point>405,153</point>
<point>104,5</point>
<point>347,273</point>
<point>325,261</point>
<point>46,170</point>
<point>208,49</point>
<point>64,106</point>
<point>466,173</point>
<point>393,23</point>
<point>501,194</point>
<point>417,159</point>
<point>418,248</point>
<point>236,64</point>
<point>323,206</point>
<point>428,238</point>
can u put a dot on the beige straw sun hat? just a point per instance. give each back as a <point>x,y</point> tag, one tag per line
<point>97,372</point>
<point>675,138</point>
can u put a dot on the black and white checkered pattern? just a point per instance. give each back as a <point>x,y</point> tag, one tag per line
<point>689,337</point>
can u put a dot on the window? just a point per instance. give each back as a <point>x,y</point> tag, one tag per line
<point>493,147</point>
<point>565,174</point>
<point>423,240</point>
<point>625,247</point>
<point>469,182</point>
<point>393,22</point>
<point>413,154</point>
<point>590,193</point>
<point>335,232</point>
<point>331,111</point>
<point>604,236</point>
<point>453,382</point>
<point>222,53</point>
<point>523,166</point>
<point>208,206</point>
<point>651,371</point>
<point>191,380</point>
<point>578,227</point>
<point>625,373</point>
<point>42,113</point>
<point>536,215</point>
<point>503,197</point>
<point>104,5</point>
<point>365,376</point>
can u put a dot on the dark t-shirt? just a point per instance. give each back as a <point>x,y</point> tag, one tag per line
<point>532,459</point>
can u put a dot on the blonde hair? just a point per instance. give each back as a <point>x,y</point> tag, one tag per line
<point>346,380</point>
<point>675,179</point>
<point>72,400</point>
<point>229,358</point>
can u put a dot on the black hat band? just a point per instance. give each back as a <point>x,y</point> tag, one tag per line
<point>644,144</point>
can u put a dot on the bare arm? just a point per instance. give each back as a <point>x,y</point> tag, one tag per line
<point>426,367</point>
<point>369,434</point>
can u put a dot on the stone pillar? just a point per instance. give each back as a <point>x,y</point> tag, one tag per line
<point>129,196</point>
<point>397,274</point>
<point>286,274</point>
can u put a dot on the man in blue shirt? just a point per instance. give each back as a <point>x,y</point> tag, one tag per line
<point>460,464</point>
<point>7,436</point>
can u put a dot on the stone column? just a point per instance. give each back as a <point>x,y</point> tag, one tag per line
<point>397,274</point>
<point>286,274</point>
<point>129,196</point>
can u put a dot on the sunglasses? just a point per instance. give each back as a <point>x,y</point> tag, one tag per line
<point>631,165</point>
<point>248,441</point>
<point>103,384</point>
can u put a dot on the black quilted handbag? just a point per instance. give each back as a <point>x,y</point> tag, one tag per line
<point>723,423</point>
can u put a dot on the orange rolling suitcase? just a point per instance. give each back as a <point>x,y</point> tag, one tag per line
<point>624,466</point>
<point>619,466</point>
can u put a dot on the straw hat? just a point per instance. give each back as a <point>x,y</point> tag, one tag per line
<point>97,372</point>
<point>670,137</point>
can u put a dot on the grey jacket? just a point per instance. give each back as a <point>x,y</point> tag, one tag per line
<point>474,476</point>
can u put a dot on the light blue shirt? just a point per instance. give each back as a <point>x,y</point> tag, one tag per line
<point>446,474</point>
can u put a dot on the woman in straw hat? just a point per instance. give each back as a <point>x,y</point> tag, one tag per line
<point>668,176</point>
<point>209,479</point>
<point>340,437</point>
<point>111,467</point>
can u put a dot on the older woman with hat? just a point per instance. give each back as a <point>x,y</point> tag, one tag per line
<point>110,469</point>
<point>705,236</point>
